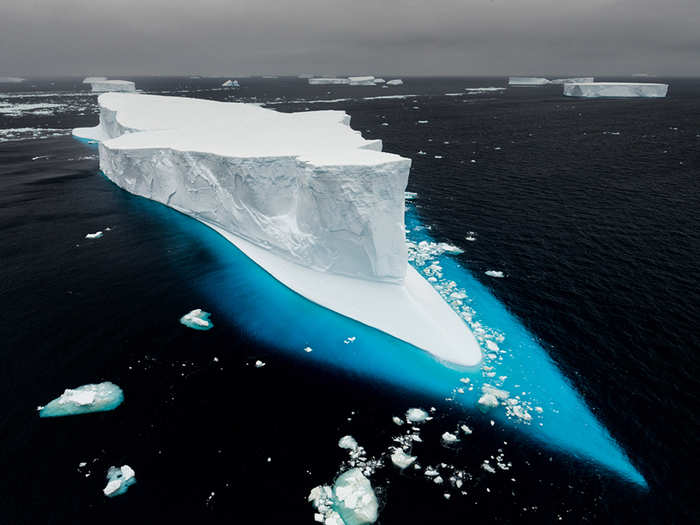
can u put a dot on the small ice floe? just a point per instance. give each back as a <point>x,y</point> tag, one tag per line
<point>488,468</point>
<point>347,442</point>
<point>416,415</point>
<point>421,152</point>
<point>491,397</point>
<point>494,273</point>
<point>466,429</point>
<point>397,420</point>
<point>349,340</point>
<point>119,479</point>
<point>95,235</point>
<point>395,82</point>
<point>308,349</point>
<point>351,501</point>
<point>471,236</point>
<point>437,156</point>
<point>197,319</point>
<point>259,364</point>
<point>410,195</point>
<point>449,439</point>
<point>401,459</point>
<point>100,397</point>
<point>422,122</point>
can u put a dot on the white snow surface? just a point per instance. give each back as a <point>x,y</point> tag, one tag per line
<point>102,86</point>
<point>527,81</point>
<point>615,89</point>
<point>302,194</point>
<point>571,80</point>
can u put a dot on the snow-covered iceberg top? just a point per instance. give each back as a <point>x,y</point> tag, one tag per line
<point>615,89</point>
<point>302,194</point>
<point>83,400</point>
<point>103,86</point>
<point>570,80</point>
<point>90,80</point>
<point>322,81</point>
<point>527,81</point>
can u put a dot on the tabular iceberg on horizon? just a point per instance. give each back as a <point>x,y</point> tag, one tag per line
<point>615,89</point>
<point>305,196</point>
<point>103,86</point>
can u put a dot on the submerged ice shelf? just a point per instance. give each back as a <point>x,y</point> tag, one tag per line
<point>302,194</point>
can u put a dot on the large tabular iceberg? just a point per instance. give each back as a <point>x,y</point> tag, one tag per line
<point>90,80</point>
<point>302,194</point>
<point>570,80</point>
<point>527,81</point>
<point>102,86</point>
<point>616,89</point>
<point>324,81</point>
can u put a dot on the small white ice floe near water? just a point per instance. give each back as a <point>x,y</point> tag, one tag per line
<point>96,235</point>
<point>119,479</point>
<point>395,82</point>
<point>197,319</point>
<point>416,415</point>
<point>351,500</point>
<point>448,438</point>
<point>84,399</point>
<point>495,273</point>
<point>259,364</point>
<point>231,84</point>
<point>401,459</point>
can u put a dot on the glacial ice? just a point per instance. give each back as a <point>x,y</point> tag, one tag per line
<point>379,81</point>
<point>90,80</point>
<point>119,479</point>
<point>416,415</point>
<point>615,89</point>
<point>84,399</point>
<point>231,84</point>
<point>395,82</point>
<point>572,80</point>
<point>323,81</point>
<point>527,81</point>
<point>197,319</point>
<point>95,235</point>
<point>494,273</point>
<point>401,459</point>
<point>361,81</point>
<point>351,501</point>
<point>103,86</point>
<point>302,194</point>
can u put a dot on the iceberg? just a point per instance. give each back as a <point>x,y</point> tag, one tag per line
<point>572,80</point>
<point>90,80</point>
<point>11,80</point>
<point>84,399</point>
<point>320,81</point>
<point>102,86</point>
<point>527,81</point>
<point>96,235</point>
<point>119,479</point>
<point>395,82</point>
<point>361,81</point>
<point>231,84</point>
<point>197,319</point>
<point>615,89</point>
<point>379,81</point>
<point>303,195</point>
<point>351,501</point>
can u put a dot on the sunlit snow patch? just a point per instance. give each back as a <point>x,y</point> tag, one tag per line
<point>83,400</point>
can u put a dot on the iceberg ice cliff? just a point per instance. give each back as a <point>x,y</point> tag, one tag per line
<point>615,89</point>
<point>527,81</point>
<point>302,194</point>
<point>101,397</point>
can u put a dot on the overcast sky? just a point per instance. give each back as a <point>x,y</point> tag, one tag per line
<point>403,37</point>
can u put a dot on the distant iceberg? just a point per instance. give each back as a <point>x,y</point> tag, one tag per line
<point>197,319</point>
<point>231,83</point>
<point>103,86</point>
<point>84,399</point>
<point>302,194</point>
<point>571,80</point>
<point>379,81</point>
<point>527,81</point>
<point>322,81</point>
<point>395,82</point>
<point>90,80</point>
<point>361,81</point>
<point>11,80</point>
<point>119,479</point>
<point>615,89</point>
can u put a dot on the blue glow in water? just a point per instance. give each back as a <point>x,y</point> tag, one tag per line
<point>545,407</point>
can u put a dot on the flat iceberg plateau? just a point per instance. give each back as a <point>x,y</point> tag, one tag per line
<point>119,479</point>
<point>615,89</point>
<point>570,80</point>
<point>101,397</point>
<point>303,195</point>
<point>103,86</point>
<point>90,80</point>
<point>361,81</point>
<point>323,81</point>
<point>527,81</point>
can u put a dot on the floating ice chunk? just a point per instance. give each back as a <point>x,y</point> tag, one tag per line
<point>397,420</point>
<point>197,319</point>
<point>494,273</point>
<point>576,80</point>
<point>395,82</point>
<point>466,429</point>
<point>259,364</point>
<point>84,399</point>
<point>379,81</point>
<point>488,468</point>
<point>90,80</point>
<point>491,345</point>
<point>347,442</point>
<point>119,480</point>
<point>416,415</point>
<point>321,81</point>
<point>449,438</point>
<point>102,86</point>
<point>410,195</point>
<point>527,81</point>
<point>354,498</point>
<point>483,90</point>
<point>95,235</point>
<point>231,84</point>
<point>308,349</point>
<point>615,89</point>
<point>423,122</point>
<point>487,402</point>
<point>361,81</point>
<point>401,459</point>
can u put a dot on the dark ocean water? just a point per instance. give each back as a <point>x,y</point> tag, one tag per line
<point>590,207</point>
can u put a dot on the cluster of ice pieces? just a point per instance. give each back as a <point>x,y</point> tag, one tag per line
<point>231,84</point>
<point>119,479</point>
<point>351,500</point>
<point>197,319</point>
<point>83,400</point>
<point>353,81</point>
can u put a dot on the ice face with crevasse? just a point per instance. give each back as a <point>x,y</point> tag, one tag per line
<point>83,400</point>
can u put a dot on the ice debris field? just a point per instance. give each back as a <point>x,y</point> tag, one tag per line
<point>516,384</point>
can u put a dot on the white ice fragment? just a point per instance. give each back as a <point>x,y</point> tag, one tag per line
<point>494,273</point>
<point>231,84</point>
<point>84,399</point>
<point>488,468</point>
<point>416,415</point>
<point>101,86</point>
<point>119,479</point>
<point>95,235</point>
<point>90,80</point>
<point>397,420</point>
<point>401,459</point>
<point>347,442</point>
<point>395,82</point>
<point>308,349</point>
<point>322,81</point>
<point>354,498</point>
<point>449,438</point>
<point>615,89</point>
<point>466,429</point>
<point>197,319</point>
<point>259,364</point>
<point>491,345</point>
<point>527,81</point>
<point>576,80</point>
